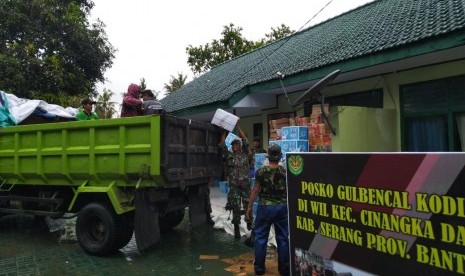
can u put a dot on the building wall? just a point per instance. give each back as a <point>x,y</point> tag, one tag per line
<point>374,130</point>
<point>355,120</point>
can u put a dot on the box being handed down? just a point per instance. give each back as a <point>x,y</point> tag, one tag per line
<point>225,119</point>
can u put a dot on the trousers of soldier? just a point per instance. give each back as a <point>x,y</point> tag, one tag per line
<point>236,196</point>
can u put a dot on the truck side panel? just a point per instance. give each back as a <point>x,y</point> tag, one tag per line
<point>102,152</point>
<point>149,151</point>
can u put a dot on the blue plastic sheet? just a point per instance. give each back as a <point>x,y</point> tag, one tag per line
<point>6,119</point>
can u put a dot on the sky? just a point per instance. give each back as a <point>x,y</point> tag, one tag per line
<point>151,36</point>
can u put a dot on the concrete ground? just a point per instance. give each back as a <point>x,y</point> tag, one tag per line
<point>28,248</point>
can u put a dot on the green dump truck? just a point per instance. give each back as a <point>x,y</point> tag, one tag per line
<point>118,176</point>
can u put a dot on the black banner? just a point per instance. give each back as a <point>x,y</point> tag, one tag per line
<point>387,214</point>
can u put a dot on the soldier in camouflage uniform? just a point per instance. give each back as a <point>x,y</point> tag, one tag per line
<point>256,148</point>
<point>238,177</point>
<point>270,186</point>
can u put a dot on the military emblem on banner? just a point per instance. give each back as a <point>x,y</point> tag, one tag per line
<point>295,163</point>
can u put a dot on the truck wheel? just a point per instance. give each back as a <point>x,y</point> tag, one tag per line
<point>97,229</point>
<point>170,220</point>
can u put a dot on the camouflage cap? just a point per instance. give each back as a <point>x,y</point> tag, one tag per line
<point>236,141</point>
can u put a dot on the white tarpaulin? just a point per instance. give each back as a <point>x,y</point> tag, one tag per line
<point>222,219</point>
<point>21,108</point>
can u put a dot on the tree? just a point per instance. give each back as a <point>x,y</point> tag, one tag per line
<point>175,82</point>
<point>232,44</point>
<point>61,99</point>
<point>278,33</point>
<point>49,47</point>
<point>105,108</point>
<point>142,84</point>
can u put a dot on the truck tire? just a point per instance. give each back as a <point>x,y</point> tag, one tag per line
<point>170,220</point>
<point>98,229</point>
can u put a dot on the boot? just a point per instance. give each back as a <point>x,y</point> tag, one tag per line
<point>237,231</point>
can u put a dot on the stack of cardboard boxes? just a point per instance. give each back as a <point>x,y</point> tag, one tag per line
<point>319,130</point>
<point>276,126</point>
<point>301,134</point>
<point>292,139</point>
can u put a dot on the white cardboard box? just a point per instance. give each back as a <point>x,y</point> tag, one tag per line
<point>225,119</point>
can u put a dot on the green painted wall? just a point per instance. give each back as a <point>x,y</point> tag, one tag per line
<point>360,129</point>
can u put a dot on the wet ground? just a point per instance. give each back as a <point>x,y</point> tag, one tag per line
<point>28,248</point>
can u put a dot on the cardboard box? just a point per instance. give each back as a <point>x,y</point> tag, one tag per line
<point>275,134</point>
<point>260,160</point>
<point>327,140</point>
<point>292,121</point>
<point>294,146</point>
<point>316,140</point>
<point>316,119</point>
<point>303,121</point>
<point>225,119</point>
<point>294,133</point>
<point>317,129</point>
<point>316,109</point>
<point>275,142</point>
<point>320,140</point>
<point>278,124</point>
<point>224,187</point>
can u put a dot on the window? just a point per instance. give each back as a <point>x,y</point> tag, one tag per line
<point>258,132</point>
<point>433,115</point>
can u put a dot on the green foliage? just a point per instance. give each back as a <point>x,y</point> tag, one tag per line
<point>105,108</point>
<point>232,44</point>
<point>278,33</point>
<point>60,99</point>
<point>142,84</point>
<point>175,82</point>
<point>48,47</point>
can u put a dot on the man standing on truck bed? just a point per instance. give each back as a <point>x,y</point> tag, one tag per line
<point>86,113</point>
<point>238,173</point>
<point>131,102</point>
<point>150,106</point>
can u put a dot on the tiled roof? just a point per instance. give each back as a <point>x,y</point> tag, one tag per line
<point>379,26</point>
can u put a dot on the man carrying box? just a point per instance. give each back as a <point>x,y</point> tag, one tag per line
<point>238,169</point>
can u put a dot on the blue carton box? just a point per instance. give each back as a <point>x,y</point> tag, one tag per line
<point>275,142</point>
<point>260,159</point>
<point>294,146</point>
<point>228,140</point>
<point>224,187</point>
<point>294,133</point>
